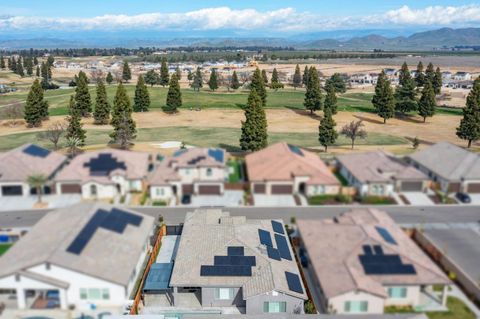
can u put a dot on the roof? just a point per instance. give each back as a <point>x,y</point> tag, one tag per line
<point>378,167</point>
<point>449,161</point>
<point>51,240</point>
<point>335,248</point>
<point>100,166</point>
<point>21,162</point>
<point>282,162</point>
<point>158,277</point>
<point>209,233</point>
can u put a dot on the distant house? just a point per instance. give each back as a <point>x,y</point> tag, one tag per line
<point>362,262</point>
<point>196,171</point>
<point>286,169</point>
<point>446,75</point>
<point>380,174</point>
<point>364,78</point>
<point>462,76</point>
<point>18,164</point>
<point>452,167</point>
<point>105,174</point>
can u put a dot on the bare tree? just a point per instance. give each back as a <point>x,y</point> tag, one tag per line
<point>53,133</point>
<point>13,113</point>
<point>354,130</point>
<point>97,75</point>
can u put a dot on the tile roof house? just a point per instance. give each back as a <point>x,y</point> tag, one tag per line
<point>452,167</point>
<point>104,174</point>
<point>237,262</point>
<point>379,173</point>
<point>18,164</point>
<point>362,262</point>
<point>85,254</point>
<point>286,169</point>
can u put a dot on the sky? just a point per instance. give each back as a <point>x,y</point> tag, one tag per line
<point>247,16</point>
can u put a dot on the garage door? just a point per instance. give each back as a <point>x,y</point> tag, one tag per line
<point>412,186</point>
<point>282,189</point>
<point>209,189</point>
<point>259,188</point>
<point>71,189</point>
<point>454,187</point>
<point>187,189</point>
<point>473,188</point>
<point>12,190</point>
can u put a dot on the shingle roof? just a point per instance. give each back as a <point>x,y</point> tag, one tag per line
<point>334,247</point>
<point>108,255</point>
<point>208,233</point>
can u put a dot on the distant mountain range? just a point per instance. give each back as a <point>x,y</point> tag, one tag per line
<point>335,40</point>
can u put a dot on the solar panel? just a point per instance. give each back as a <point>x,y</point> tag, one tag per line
<point>295,149</point>
<point>273,253</point>
<point>282,247</point>
<point>217,154</point>
<point>179,152</point>
<point>195,160</point>
<point>234,260</point>
<point>378,250</point>
<point>278,227</point>
<point>265,238</point>
<point>225,271</point>
<point>35,150</point>
<point>293,281</point>
<point>104,164</point>
<point>367,250</point>
<point>235,251</point>
<point>381,264</point>
<point>385,235</point>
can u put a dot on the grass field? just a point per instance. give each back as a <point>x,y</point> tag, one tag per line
<point>4,248</point>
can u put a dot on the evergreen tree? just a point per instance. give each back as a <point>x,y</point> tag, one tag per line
<point>29,66</point>
<point>427,103</point>
<point>420,76</point>
<point>49,64</point>
<point>437,81</point>
<point>35,61</point>
<point>75,129</point>
<point>430,73</point>
<point>258,83</point>
<point>306,73</point>
<point>275,82</point>
<point>313,95</point>
<point>331,99</point>
<point>190,76</point>
<point>383,99</point>
<point>297,77</point>
<point>109,78</point>
<point>164,76</point>
<point>197,82</point>
<point>83,101</point>
<point>9,63</point>
<point>124,128</point>
<point>254,129</point>
<point>20,68</point>
<point>37,72</point>
<point>404,74</point>
<point>174,95</point>
<point>327,135</point>
<point>213,81</point>
<point>151,78</point>
<point>126,72</point>
<point>13,64</point>
<point>2,63</point>
<point>234,84</point>
<point>101,114</point>
<point>142,98</point>
<point>44,74</point>
<point>338,82</point>
<point>265,77</point>
<point>36,108</point>
<point>405,95</point>
<point>179,73</point>
<point>469,128</point>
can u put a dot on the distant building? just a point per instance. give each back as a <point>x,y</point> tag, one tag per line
<point>462,76</point>
<point>364,78</point>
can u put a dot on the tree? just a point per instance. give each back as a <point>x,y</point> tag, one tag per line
<point>297,77</point>
<point>174,95</point>
<point>109,78</point>
<point>419,75</point>
<point>35,60</point>
<point>430,73</point>
<point>427,103</point>
<point>124,128</point>
<point>101,113</point>
<point>29,66</point>
<point>73,146</point>
<point>142,98</point>
<point>415,143</point>
<point>338,83</point>
<point>327,135</point>
<point>197,82</point>
<point>234,83</point>
<point>37,72</point>
<point>313,95</point>
<point>213,81</point>
<point>13,65</point>
<point>2,63</point>
<point>354,130</point>
<point>265,77</point>
<point>190,76</point>
<point>258,83</point>
<point>53,133</point>
<point>275,82</point>
<point>20,68</point>
<point>179,73</point>
<point>37,181</point>
<point>126,72</point>
<point>469,128</point>
<point>36,108</point>
<point>164,76</point>
<point>306,73</point>
<point>383,100</point>
<point>404,74</point>
<point>151,78</point>
<point>405,95</point>
<point>75,127</point>
<point>254,129</point>
<point>437,81</point>
<point>83,101</point>
<point>331,99</point>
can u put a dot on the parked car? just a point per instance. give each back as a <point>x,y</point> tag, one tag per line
<point>463,197</point>
<point>186,199</point>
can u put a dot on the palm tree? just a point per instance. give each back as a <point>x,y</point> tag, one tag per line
<point>37,181</point>
<point>73,146</point>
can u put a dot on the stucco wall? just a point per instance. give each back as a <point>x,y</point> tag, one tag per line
<point>412,298</point>
<point>156,192</point>
<point>255,304</point>
<point>337,304</point>
<point>208,298</point>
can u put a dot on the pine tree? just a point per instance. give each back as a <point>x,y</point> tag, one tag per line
<point>49,64</point>
<point>327,135</point>
<point>275,82</point>
<point>29,66</point>
<point>2,62</point>
<point>124,128</point>
<point>109,78</point>
<point>306,73</point>
<point>174,95</point>
<point>35,61</point>
<point>9,63</point>
<point>190,76</point>
<point>234,84</point>
<point>265,77</point>
<point>254,129</point>
<point>36,108</point>
<point>405,95</point>
<point>83,101</point>
<point>20,68</point>
<point>331,99</point>
<point>164,76</point>
<point>404,74</point>
<point>213,81</point>
<point>427,103</point>
<point>75,129</point>
<point>142,98</point>
<point>197,82</point>
<point>258,83</point>
<point>13,64</point>
<point>126,72</point>
<point>44,74</point>
<point>179,73</point>
<point>313,95</point>
<point>420,76</point>
<point>37,72</point>
<point>297,77</point>
<point>430,73</point>
<point>338,82</point>
<point>383,100</point>
<point>101,114</point>
<point>469,128</point>
<point>437,81</point>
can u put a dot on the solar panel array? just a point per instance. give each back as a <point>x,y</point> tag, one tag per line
<point>216,153</point>
<point>278,227</point>
<point>293,281</point>
<point>235,264</point>
<point>104,164</point>
<point>235,250</point>
<point>265,238</point>
<point>383,264</point>
<point>37,151</point>
<point>386,235</point>
<point>282,250</point>
<point>282,247</point>
<point>116,220</point>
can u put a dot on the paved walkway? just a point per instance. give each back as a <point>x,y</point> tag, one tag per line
<point>274,200</point>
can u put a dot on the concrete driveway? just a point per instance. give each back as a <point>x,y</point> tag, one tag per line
<point>418,198</point>
<point>230,198</point>
<point>475,199</point>
<point>9,203</point>
<point>273,200</point>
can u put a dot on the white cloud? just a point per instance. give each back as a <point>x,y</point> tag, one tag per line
<point>286,19</point>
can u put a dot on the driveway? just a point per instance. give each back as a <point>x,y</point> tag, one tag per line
<point>9,203</point>
<point>230,198</point>
<point>418,198</point>
<point>274,200</point>
<point>475,199</point>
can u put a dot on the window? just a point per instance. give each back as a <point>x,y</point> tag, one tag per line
<point>397,292</point>
<point>94,293</point>
<point>223,293</point>
<point>93,190</point>
<point>105,294</point>
<point>209,172</point>
<point>47,266</point>
<point>83,294</point>
<point>160,191</point>
<point>274,306</point>
<point>356,306</point>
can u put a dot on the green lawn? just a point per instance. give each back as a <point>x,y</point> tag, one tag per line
<point>4,248</point>
<point>234,177</point>
<point>329,200</point>
<point>457,310</point>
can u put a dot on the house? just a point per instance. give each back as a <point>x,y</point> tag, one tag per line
<point>18,164</point>
<point>452,167</point>
<point>362,262</point>
<point>84,256</point>
<point>105,174</point>
<point>231,262</point>
<point>462,76</point>
<point>195,171</point>
<point>446,75</point>
<point>364,78</point>
<point>380,174</point>
<point>287,169</point>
